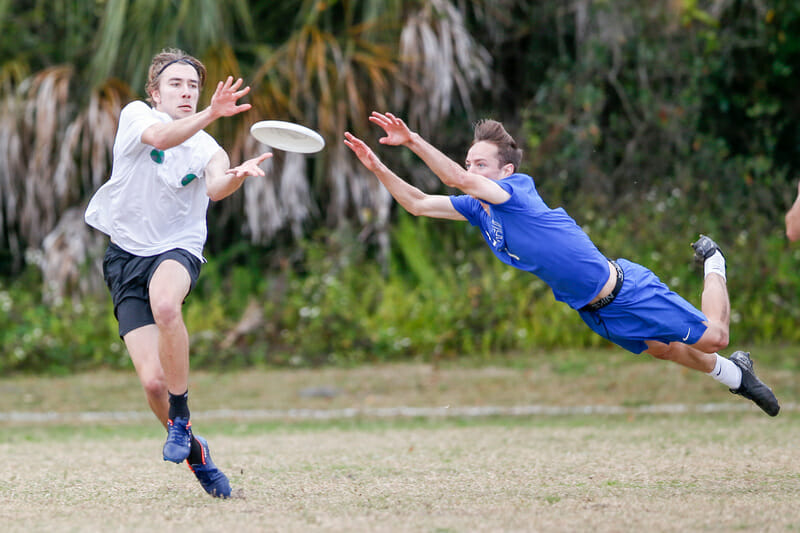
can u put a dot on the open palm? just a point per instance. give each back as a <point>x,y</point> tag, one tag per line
<point>397,132</point>
<point>223,102</point>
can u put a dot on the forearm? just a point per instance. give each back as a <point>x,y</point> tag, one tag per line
<point>447,170</point>
<point>220,183</point>
<point>414,200</point>
<point>167,135</point>
<point>403,192</point>
<point>225,186</point>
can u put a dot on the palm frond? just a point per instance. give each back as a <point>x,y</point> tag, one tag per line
<point>439,56</point>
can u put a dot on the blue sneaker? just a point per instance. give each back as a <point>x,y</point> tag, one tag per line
<point>210,477</point>
<point>179,440</point>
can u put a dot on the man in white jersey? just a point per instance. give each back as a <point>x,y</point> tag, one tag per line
<point>153,208</point>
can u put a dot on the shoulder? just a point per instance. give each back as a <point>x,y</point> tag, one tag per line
<point>467,205</point>
<point>137,107</point>
<point>518,181</point>
<point>519,186</point>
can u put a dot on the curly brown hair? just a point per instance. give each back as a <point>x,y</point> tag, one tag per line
<point>164,59</point>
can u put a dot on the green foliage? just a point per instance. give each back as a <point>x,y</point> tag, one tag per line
<point>650,123</point>
<point>57,339</point>
<point>441,296</point>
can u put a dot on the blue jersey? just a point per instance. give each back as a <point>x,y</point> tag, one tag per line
<point>526,234</point>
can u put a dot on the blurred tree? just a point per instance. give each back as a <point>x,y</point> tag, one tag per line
<point>324,64</point>
<point>615,99</point>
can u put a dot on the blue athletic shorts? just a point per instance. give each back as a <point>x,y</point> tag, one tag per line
<point>128,279</point>
<point>646,310</point>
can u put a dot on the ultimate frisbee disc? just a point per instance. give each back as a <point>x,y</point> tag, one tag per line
<point>287,136</point>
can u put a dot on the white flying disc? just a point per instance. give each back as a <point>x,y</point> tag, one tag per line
<point>287,136</point>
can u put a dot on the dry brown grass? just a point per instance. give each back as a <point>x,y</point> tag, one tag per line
<point>715,473</point>
<point>690,472</point>
<point>617,378</point>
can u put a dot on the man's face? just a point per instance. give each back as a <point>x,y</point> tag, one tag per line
<point>178,91</point>
<point>482,159</point>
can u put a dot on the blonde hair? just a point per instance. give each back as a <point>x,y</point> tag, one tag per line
<point>165,58</point>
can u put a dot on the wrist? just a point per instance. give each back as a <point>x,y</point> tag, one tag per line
<point>209,115</point>
<point>413,139</point>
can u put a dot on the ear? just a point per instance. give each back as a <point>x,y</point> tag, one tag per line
<point>155,96</point>
<point>507,169</point>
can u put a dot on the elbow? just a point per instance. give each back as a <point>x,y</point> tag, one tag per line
<point>792,232</point>
<point>414,210</point>
<point>159,142</point>
<point>457,182</point>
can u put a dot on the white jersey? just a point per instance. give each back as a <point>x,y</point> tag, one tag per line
<point>155,200</point>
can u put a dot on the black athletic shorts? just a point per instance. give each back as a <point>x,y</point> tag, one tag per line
<point>128,278</point>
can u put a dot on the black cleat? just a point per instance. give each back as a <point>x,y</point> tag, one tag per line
<point>704,248</point>
<point>753,388</point>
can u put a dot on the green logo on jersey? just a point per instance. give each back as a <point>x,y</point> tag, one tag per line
<point>157,156</point>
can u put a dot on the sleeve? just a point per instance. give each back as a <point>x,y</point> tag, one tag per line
<point>207,147</point>
<point>133,120</point>
<point>468,206</point>
<point>524,197</point>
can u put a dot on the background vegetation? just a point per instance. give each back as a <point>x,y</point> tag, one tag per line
<point>650,122</point>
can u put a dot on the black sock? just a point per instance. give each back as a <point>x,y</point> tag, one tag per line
<point>196,455</point>
<point>179,405</point>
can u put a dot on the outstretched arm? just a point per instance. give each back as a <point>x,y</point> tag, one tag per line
<point>793,219</point>
<point>447,170</point>
<point>411,198</point>
<point>223,104</point>
<point>222,181</point>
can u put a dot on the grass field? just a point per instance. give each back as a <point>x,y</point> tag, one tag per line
<point>720,465</point>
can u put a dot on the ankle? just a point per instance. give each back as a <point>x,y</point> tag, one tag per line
<point>715,265</point>
<point>179,405</point>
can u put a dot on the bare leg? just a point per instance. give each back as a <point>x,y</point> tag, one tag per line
<point>168,287</point>
<point>142,344</point>
<point>683,354</point>
<point>716,305</point>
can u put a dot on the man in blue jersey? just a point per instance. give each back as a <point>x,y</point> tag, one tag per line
<point>619,300</point>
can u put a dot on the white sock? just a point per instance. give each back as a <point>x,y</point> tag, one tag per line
<point>727,373</point>
<point>715,264</point>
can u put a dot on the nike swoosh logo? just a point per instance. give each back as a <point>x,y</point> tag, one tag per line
<point>687,334</point>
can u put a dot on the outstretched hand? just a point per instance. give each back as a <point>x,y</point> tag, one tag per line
<point>397,132</point>
<point>250,167</point>
<point>362,151</point>
<point>223,102</point>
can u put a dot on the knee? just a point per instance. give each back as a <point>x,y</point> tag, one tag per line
<point>165,312</point>
<point>715,339</point>
<point>155,386</point>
